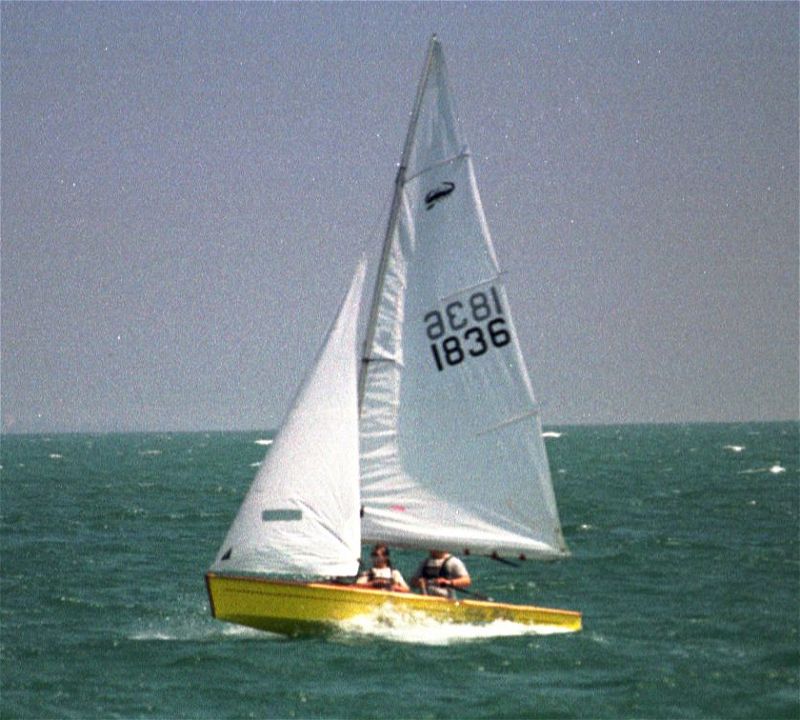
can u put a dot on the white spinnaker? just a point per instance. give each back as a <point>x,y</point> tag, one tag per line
<point>301,514</point>
<point>451,448</point>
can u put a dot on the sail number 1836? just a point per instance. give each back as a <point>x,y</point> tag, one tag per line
<point>467,328</point>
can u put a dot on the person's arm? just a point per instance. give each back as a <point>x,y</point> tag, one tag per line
<point>457,582</point>
<point>460,579</point>
<point>398,583</point>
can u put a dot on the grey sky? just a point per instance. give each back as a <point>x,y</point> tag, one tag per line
<point>186,189</point>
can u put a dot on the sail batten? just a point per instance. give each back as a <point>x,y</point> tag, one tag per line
<point>518,418</point>
<point>463,154</point>
<point>477,285</point>
<point>446,459</point>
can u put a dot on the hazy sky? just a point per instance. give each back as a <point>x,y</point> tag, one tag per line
<point>186,189</point>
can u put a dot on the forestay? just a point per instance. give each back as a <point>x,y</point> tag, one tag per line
<point>451,448</point>
<point>301,514</point>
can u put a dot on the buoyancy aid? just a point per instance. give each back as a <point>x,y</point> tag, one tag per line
<point>381,578</point>
<point>433,568</point>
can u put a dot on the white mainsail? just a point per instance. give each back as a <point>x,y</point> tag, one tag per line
<point>301,514</point>
<point>451,449</point>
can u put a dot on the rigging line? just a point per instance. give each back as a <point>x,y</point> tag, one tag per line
<point>394,212</point>
<point>519,418</point>
<point>380,219</point>
<point>464,153</point>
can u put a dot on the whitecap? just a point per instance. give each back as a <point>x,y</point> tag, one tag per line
<point>776,469</point>
<point>264,441</point>
<point>551,434</point>
<point>152,635</point>
<point>734,448</point>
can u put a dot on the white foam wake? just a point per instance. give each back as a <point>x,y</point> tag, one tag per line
<point>388,623</point>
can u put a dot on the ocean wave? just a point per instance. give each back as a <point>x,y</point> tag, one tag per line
<point>195,626</point>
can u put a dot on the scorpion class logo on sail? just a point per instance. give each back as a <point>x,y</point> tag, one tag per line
<point>438,193</point>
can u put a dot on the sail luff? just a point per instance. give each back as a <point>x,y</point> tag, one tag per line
<point>393,216</point>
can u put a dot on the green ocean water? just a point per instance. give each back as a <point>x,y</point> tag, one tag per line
<point>685,564</point>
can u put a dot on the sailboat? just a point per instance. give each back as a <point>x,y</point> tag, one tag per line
<point>431,439</point>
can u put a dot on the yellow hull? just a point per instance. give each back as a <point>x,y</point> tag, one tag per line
<point>294,608</point>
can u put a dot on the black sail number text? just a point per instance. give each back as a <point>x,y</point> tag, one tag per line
<point>464,329</point>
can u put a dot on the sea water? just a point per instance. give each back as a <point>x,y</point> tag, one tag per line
<point>685,564</point>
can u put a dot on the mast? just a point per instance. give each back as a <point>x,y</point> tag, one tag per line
<point>393,214</point>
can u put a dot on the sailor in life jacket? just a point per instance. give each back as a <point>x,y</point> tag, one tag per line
<point>441,574</point>
<point>382,576</point>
